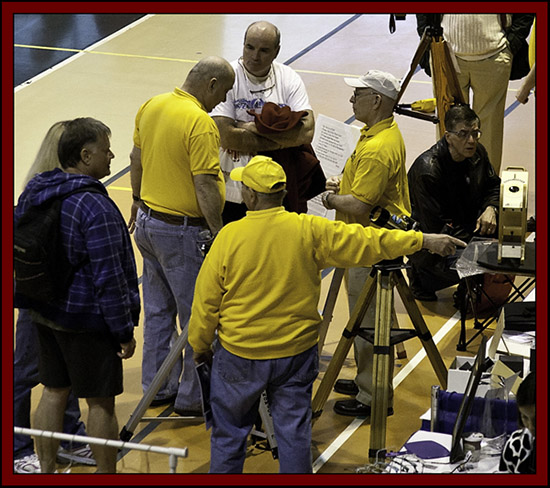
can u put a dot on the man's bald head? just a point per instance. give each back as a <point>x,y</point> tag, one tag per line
<point>266,30</point>
<point>210,67</point>
<point>210,80</point>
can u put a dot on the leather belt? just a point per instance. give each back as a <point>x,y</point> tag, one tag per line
<point>173,219</point>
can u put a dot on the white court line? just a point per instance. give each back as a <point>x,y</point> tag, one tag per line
<point>357,422</point>
<point>337,443</point>
<point>81,53</point>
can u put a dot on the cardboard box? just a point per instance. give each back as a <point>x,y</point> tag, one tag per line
<point>459,373</point>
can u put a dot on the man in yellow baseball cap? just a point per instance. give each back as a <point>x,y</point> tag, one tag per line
<point>262,174</point>
<point>258,291</point>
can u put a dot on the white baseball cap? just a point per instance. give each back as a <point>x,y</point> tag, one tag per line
<point>380,81</point>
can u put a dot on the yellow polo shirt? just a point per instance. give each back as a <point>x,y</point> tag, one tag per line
<point>178,140</point>
<point>375,172</point>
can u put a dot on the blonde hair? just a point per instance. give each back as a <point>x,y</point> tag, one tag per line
<point>46,158</point>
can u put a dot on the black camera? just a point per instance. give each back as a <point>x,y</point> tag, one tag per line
<point>383,218</point>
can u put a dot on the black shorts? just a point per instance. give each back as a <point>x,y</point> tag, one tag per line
<point>87,362</point>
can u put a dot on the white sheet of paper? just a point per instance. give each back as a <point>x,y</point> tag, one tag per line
<point>333,142</point>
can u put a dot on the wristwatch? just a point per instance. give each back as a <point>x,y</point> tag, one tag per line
<point>135,198</point>
<point>324,199</point>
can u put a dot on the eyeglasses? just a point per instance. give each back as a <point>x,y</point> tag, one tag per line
<point>357,94</point>
<point>465,134</point>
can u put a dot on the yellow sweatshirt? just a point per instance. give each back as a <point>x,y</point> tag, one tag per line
<point>260,283</point>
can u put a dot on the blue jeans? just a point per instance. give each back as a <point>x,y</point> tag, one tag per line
<point>171,263</point>
<point>25,378</point>
<point>235,390</point>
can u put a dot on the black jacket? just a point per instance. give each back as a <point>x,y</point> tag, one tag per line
<point>444,191</point>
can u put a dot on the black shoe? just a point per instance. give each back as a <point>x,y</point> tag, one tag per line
<point>424,296</point>
<point>163,401</point>
<point>188,412</point>
<point>353,408</point>
<point>346,387</point>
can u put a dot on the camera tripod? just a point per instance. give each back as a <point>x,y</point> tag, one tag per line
<point>445,81</point>
<point>379,285</point>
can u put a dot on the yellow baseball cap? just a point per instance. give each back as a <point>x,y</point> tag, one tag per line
<point>262,174</point>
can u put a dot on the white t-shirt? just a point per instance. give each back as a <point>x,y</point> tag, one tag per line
<point>282,86</point>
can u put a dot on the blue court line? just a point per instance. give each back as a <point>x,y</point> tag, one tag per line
<point>120,174</point>
<point>322,39</point>
<point>511,108</point>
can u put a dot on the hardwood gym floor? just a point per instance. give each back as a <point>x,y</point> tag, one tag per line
<point>106,65</point>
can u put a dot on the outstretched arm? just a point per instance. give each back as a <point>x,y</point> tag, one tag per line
<point>441,244</point>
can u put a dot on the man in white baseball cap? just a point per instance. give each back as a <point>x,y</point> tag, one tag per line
<point>374,175</point>
<point>380,81</point>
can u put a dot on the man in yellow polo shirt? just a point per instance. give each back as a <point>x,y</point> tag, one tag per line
<point>374,175</point>
<point>178,191</point>
<point>258,290</point>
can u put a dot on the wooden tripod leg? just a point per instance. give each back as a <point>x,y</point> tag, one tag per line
<point>381,366</point>
<point>330,302</point>
<point>343,346</point>
<point>401,352</point>
<point>421,329</point>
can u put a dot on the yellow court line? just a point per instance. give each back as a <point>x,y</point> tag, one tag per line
<point>161,58</point>
<point>158,58</point>
<point>122,188</point>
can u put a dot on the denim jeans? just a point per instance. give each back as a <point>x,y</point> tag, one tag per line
<point>25,378</point>
<point>171,263</point>
<point>235,390</point>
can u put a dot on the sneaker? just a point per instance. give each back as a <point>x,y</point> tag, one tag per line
<point>27,465</point>
<point>77,455</point>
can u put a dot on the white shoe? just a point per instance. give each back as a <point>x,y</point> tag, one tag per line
<point>78,455</point>
<point>27,465</point>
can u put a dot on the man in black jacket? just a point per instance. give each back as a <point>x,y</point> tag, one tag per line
<point>454,190</point>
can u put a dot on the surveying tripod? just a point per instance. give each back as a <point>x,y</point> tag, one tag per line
<point>379,285</point>
<point>175,353</point>
<point>445,82</point>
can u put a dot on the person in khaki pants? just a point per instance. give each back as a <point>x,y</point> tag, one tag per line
<point>484,49</point>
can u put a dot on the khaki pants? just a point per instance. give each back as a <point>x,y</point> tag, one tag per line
<point>363,349</point>
<point>488,81</point>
